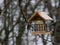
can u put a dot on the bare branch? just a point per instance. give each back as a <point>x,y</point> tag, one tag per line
<point>33,9</point>
<point>27,4</point>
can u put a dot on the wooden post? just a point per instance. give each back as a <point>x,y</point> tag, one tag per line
<point>44,42</point>
<point>35,39</point>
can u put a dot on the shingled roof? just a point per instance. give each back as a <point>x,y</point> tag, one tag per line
<point>40,14</point>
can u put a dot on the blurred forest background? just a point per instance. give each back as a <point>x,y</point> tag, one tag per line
<point>14,15</point>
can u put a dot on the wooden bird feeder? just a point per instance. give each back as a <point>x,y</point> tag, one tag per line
<point>38,22</point>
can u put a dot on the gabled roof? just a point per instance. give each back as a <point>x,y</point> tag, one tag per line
<point>42,15</point>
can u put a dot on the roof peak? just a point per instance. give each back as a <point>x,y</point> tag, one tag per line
<point>42,15</point>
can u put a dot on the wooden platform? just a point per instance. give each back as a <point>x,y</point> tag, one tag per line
<point>41,32</point>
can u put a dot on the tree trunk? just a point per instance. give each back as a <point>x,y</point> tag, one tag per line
<point>21,30</point>
<point>57,36</point>
<point>18,41</point>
